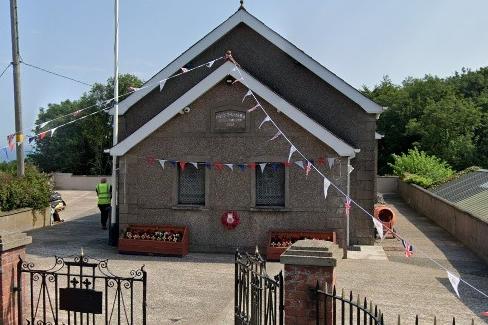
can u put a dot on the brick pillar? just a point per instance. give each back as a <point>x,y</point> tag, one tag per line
<point>12,247</point>
<point>306,263</point>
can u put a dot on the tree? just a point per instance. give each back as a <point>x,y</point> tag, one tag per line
<point>78,147</point>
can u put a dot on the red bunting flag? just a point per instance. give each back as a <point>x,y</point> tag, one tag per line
<point>308,168</point>
<point>408,248</point>
<point>150,160</point>
<point>484,314</point>
<point>347,206</point>
<point>219,166</point>
<point>42,135</point>
<point>287,164</point>
<point>252,165</point>
<point>321,161</point>
<point>76,113</point>
<point>182,165</point>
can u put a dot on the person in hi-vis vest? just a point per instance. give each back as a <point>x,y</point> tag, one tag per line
<point>104,193</point>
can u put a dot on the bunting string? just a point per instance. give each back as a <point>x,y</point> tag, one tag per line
<point>350,169</point>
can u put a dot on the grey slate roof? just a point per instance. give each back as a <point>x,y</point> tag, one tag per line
<point>469,192</point>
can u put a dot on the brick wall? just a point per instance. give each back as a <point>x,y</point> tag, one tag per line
<point>8,280</point>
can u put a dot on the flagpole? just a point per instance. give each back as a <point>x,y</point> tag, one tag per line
<point>113,233</point>
<point>348,189</point>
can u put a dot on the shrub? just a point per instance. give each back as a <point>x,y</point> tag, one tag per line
<point>419,168</point>
<point>31,191</point>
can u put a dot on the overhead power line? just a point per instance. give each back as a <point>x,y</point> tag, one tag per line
<point>56,74</point>
<point>3,71</point>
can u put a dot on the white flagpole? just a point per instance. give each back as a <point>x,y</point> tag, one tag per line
<point>348,190</point>
<point>113,231</point>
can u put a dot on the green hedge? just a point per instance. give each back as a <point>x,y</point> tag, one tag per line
<point>31,191</point>
<point>419,168</point>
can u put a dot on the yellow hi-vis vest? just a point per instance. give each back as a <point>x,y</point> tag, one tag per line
<point>104,195</point>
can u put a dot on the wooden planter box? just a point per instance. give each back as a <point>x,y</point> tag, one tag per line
<point>155,247</point>
<point>273,253</point>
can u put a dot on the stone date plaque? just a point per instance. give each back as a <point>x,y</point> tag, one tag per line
<point>230,121</point>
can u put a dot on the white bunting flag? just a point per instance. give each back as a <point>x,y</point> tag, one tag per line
<point>379,227</point>
<point>210,64</point>
<point>194,164</point>
<point>231,166</point>
<point>238,80</point>
<point>308,168</point>
<point>454,282</point>
<point>263,166</point>
<point>43,124</point>
<point>331,162</point>
<point>275,136</point>
<point>292,150</point>
<point>133,89</point>
<point>299,163</point>
<point>184,70</point>
<point>266,119</point>
<point>326,186</point>
<point>350,169</point>
<point>161,162</point>
<point>53,130</point>
<point>161,84</point>
<point>252,109</point>
<point>249,93</point>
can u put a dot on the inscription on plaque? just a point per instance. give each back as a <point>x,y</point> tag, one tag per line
<point>80,300</point>
<point>230,120</point>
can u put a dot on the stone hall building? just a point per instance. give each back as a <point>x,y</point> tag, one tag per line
<point>201,118</point>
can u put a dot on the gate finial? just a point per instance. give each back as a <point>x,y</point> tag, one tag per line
<point>82,254</point>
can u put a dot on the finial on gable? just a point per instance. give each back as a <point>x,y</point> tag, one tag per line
<point>242,4</point>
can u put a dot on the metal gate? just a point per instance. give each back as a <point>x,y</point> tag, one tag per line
<point>80,290</point>
<point>258,298</point>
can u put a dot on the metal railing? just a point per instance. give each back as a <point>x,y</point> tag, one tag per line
<point>258,298</point>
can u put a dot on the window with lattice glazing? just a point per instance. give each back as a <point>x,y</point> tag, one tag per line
<point>191,185</point>
<point>270,185</point>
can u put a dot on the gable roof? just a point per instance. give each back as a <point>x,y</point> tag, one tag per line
<point>242,16</point>
<point>320,132</point>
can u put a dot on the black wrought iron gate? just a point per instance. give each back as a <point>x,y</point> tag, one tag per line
<point>258,298</point>
<point>80,290</point>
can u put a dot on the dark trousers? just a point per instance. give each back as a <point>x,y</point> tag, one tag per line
<point>104,211</point>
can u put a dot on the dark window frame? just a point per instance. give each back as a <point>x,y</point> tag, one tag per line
<point>274,194</point>
<point>199,197</point>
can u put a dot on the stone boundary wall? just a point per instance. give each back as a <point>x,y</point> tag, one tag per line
<point>68,181</point>
<point>464,226</point>
<point>387,184</point>
<point>24,219</point>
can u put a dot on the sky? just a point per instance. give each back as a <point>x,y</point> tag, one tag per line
<point>360,41</point>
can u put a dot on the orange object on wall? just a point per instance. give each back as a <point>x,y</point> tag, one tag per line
<point>387,217</point>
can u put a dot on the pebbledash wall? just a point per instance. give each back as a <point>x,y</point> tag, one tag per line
<point>297,85</point>
<point>468,229</point>
<point>148,195</point>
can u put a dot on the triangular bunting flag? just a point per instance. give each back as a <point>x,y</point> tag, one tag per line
<point>242,167</point>
<point>162,162</point>
<point>263,166</point>
<point>150,160</point>
<point>194,164</point>
<point>76,113</point>
<point>249,93</point>
<point>53,130</point>
<point>43,124</point>
<point>454,282</point>
<point>331,162</point>
<point>287,164</point>
<point>42,135</point>
<point>182,165</point>
<point>275,166</point>
<point>299,163</point>
<point>485,313</point>
<point>231,166</point>
<point>350,169</point>
<point>132,89</point>
<point>208,165</point>
<point>210,64</point>
<point>184,70</point>
<point>11,141</point>
<point>347,206</point>
<point>379,227</point>
<point>266,119</point>
<point>275,136</point>
<point>252,109</point>
<point>238,80</point>
<point>173,163</point>
<point>219,166</point>
<point>326,186</point>
<point>320,161</point>
<point>292,150</point>
<point>308,168</point>
<point>31,139</point>
<point>252,165</point>
<point>161,84</point>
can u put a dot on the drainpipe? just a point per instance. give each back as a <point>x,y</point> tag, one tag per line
<point>348,191</point>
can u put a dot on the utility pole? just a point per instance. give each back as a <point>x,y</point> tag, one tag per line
<point>19,136</point>
<point>113,234</point>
